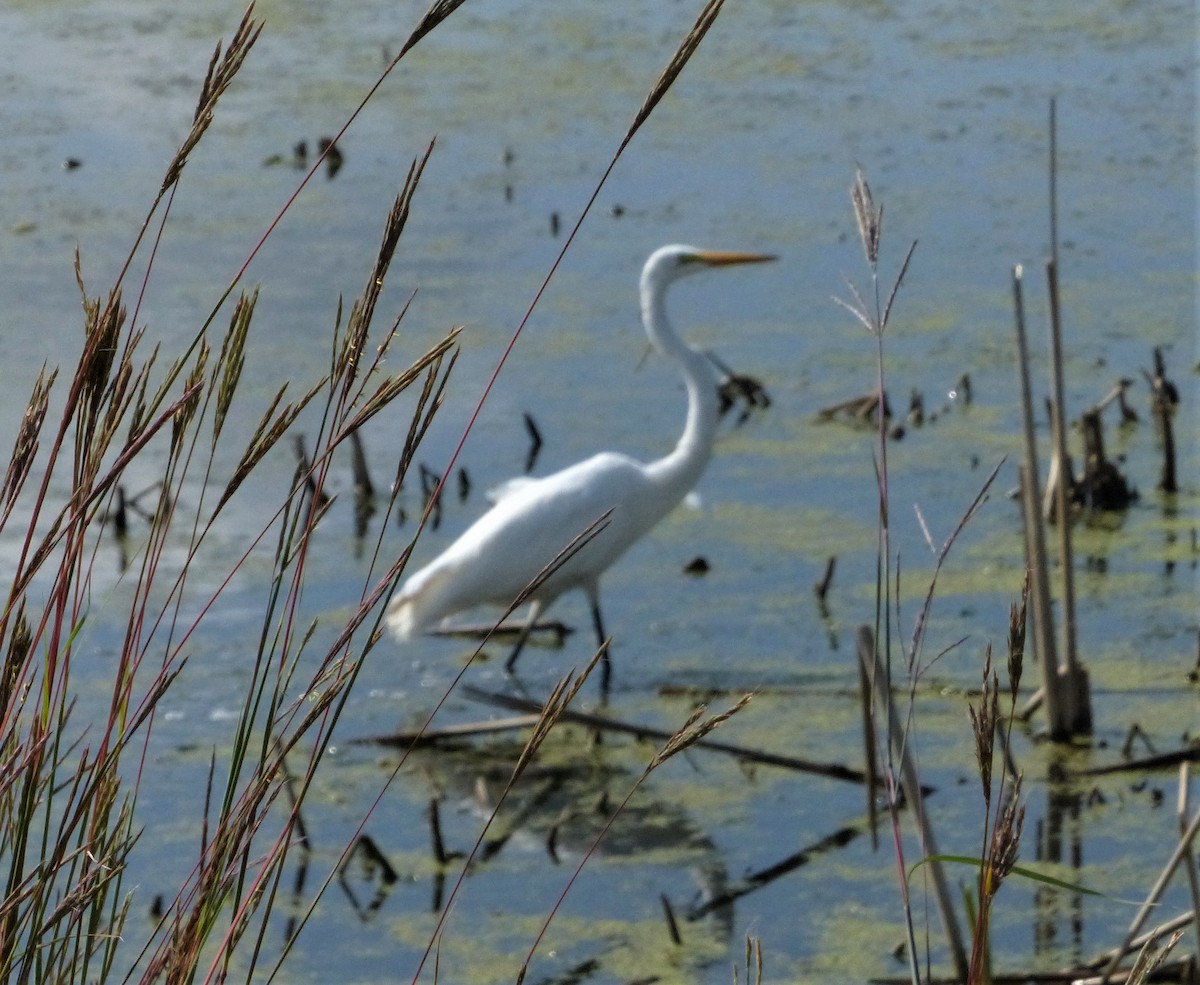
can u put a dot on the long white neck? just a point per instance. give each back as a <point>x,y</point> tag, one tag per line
<point>678,472</point>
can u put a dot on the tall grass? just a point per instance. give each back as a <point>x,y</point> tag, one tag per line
<point>884,675</point>
<point>70,784</point>
<point>992,716</point>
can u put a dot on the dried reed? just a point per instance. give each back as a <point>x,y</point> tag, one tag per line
<point>69,788</point>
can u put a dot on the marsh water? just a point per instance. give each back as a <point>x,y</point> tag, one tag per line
<point>945,107</point>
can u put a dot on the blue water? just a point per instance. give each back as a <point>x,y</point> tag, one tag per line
<point>945,108</point>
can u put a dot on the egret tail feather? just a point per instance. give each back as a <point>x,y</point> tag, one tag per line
<point>421,604</point>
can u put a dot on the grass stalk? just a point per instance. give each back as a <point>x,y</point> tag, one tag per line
<point>909,783</point>
<point>69,787</point>
<point>67,796</point>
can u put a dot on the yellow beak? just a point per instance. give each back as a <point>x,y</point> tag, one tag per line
<point>725,258</point>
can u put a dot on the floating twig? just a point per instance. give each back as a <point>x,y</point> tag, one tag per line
<point>821,588</point>
<point>1156,761</point>
<point>1117,394</point>
<point>440,855</point>
<point>764,877</point>
<point>134,502</point>
<point>333,156</point>
<point>734,387</point>
<point>672,925</point>
<point>374,863</point>
<point>535,442</point>
<point>916,408</point>
<point>1135,732</point>
<point>430,494</point>
<point>835,771</point>
<point>316,495</point>
<point>555,629</point>
<point>119,515</point>
<point>363,486</point>
<point>450,733</point>
<point>861,409</point>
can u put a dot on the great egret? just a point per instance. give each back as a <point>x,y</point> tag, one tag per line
<point>533,520</point>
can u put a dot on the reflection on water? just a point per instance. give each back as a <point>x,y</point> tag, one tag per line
<point>755,148</point>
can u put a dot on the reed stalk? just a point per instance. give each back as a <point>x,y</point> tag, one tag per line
<point>70,784</point>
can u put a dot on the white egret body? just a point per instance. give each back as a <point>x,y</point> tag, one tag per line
<point>533,520</point>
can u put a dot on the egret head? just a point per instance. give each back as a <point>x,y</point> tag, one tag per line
<point>670,263</point>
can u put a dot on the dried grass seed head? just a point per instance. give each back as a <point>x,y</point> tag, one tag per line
<point>868,216</point>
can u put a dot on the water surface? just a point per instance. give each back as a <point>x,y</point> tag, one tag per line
<point>946,110</point>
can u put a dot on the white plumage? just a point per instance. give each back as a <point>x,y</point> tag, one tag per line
<point>533,520</point>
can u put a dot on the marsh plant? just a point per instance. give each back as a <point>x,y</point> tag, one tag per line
<point>890,686</point>
<point>883,676</point>
<point>69,787</point>
<point>69,784</point>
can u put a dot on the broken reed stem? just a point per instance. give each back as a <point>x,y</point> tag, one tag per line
<point>1167,481</point>
<point>1152,898</point>
<point>870,751</point>
<point>821,588</point>
<point>1163,398</point>
<point>1035,537</point>
<point>1071,680</point>
<point>363,486</point>
<point>1058,432</point>
<point>1171,926</point>
<point>1181,815</point>
<point>450,733</point>
<point>868,654</point>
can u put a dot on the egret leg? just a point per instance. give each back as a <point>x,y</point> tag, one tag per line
<point>602,642</point>
<point>535,610</point>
